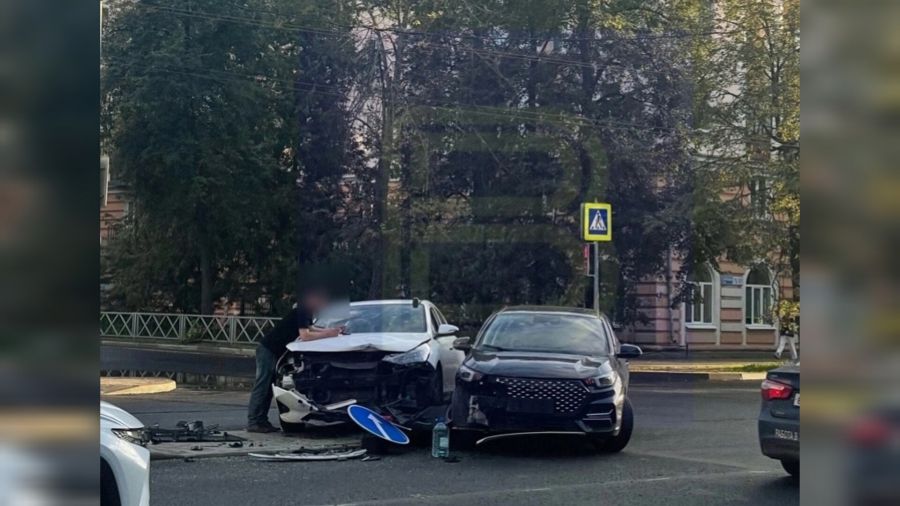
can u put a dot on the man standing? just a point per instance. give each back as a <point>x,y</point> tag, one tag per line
<point>296,325</point>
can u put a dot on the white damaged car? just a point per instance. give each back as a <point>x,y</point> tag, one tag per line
<point>124,458</point>
<point>397,356</point>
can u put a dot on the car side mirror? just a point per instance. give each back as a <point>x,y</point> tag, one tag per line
<point>629,351</point>
<point>462,344</point>
<point>445,329</point>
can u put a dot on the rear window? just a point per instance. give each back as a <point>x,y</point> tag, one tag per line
<point>546,332</point>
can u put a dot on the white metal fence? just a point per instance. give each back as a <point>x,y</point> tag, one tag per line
<point>185,327</point>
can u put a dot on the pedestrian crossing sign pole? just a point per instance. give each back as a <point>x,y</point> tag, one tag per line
<point>596,227</point>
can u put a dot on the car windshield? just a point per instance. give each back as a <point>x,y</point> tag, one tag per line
<point>545,332</point>
<point>375,318</point>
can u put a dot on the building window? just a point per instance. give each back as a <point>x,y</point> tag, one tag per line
<point>759,197</point>
<point>698,310</point>
<point>759,300</point>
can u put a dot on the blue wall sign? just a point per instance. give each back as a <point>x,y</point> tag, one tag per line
<point>375,424</point>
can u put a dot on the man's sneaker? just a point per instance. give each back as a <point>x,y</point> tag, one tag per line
<point>262,428</point>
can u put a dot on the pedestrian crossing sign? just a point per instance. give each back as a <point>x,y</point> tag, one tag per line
<point>596,221</point>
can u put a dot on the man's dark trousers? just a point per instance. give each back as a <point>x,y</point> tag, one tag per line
<point>261,396</point>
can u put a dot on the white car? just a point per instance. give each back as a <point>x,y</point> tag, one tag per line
<point>124,460</point>
<point>397,356</point>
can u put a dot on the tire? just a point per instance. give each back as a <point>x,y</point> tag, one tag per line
<point>618,443</point>
<point>291,428</point>
<point>792,467</point>
<point>109,491</point>
<point>433,393</point>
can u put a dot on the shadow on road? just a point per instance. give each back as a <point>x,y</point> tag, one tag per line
<point>540,447</point>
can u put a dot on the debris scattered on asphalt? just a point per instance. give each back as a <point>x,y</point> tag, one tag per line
<point>334,452</point>
<point>193,432</point>
<point>370,458</point>
<point>237,444</point>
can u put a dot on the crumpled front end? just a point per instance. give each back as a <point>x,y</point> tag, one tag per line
<point>318,386</point>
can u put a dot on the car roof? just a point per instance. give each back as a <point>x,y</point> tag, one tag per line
<point>549,309</point>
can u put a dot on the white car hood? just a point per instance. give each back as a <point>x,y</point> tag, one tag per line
<point>393,342</point>
<point>114,417</point>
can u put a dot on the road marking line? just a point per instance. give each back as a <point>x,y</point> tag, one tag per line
<point>419,498</point>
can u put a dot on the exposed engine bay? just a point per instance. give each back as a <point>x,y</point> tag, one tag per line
<point>317,387</point>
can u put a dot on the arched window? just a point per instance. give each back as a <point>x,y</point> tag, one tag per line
<point>698,309</point>
<point>759,300</point>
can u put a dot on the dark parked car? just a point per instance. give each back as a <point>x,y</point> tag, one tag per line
<point>546,370</point>
<point>779,417</point>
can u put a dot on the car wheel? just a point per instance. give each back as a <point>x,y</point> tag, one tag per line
<point>433,392</point>
<point>458,410</point>
<point>792,467</point>
<point>618,443</point>
<point>109,491</point>
<point>289,427</point>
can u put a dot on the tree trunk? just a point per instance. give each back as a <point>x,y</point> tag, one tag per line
<point>376,287</point>
<point>206,280</point>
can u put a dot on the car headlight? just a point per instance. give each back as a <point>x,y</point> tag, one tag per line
<point>468,374</point>
<point>134,436</point>
<point>602,381</point>
<point>414,356</point>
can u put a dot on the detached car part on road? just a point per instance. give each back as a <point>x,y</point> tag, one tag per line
<point>124,461</point>
<point>779,417</point>
<point>397,356</point>
<point>545,369</point>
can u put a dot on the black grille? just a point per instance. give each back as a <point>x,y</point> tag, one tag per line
<point>567,395</point>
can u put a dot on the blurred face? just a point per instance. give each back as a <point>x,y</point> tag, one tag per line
<point>315,301</point>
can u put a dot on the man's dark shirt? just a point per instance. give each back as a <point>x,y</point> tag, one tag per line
<point>286,330</point>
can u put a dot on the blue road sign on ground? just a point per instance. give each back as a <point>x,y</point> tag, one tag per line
<point>375,424</point>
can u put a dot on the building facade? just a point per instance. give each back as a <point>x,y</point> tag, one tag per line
<point>724,307</point>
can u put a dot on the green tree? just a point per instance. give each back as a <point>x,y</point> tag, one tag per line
<point>747,134</point>
<point>213,114</point>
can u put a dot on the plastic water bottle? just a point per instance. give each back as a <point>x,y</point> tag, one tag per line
<point>440,439</point>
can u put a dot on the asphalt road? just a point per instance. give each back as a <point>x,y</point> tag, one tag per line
<point>692,444</point>
<point>122,357</point>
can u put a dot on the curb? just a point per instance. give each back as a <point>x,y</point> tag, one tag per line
<point>135,386</point>
<point>685,377</point>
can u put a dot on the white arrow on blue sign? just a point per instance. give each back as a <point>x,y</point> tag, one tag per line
<point>375,424</point>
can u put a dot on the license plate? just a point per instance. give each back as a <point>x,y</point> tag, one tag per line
<point>535,406</point>
<point>788,435</point>
<point>797,400</point>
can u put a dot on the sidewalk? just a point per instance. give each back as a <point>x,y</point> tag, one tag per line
<point>662,365</point>
<point>135,386</point>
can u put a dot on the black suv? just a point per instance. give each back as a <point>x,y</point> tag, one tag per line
<point>546,370</point>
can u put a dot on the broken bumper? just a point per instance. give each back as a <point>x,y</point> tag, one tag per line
<point>295,407</point>
<point>318,387</point>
